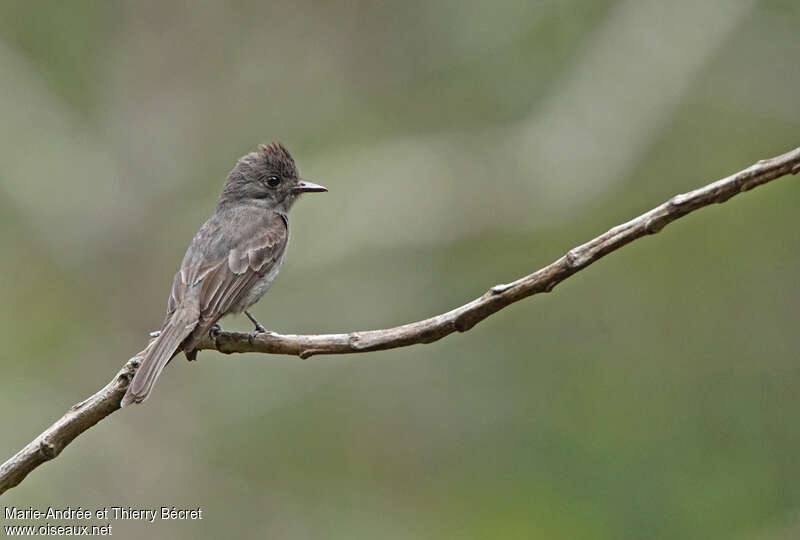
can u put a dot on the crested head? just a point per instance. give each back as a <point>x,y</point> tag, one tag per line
<point>267,178</point>
<point>275,156</point>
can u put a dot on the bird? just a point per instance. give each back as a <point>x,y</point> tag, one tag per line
<point>231,261</point>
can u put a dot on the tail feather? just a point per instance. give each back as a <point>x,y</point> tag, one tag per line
<point>175,330</point>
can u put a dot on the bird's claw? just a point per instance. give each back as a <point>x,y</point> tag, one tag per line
<point>258,331</point>
<point>215,330</point>
<point>252,335</point>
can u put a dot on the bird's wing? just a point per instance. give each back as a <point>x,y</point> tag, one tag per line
<point>229,254</point>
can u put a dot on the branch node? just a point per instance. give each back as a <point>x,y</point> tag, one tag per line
<point>47,449</point>
<point>501,288</point>
<point>573,259</point>
<point>128,370</point>
<point>680,199</point>
<point>305,354</point>
<point>354,340</point>
<point>654,225</point>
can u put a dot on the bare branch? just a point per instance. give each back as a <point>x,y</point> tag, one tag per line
<point>84,415</point>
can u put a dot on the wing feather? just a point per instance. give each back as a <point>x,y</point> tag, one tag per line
<point>230,265</point>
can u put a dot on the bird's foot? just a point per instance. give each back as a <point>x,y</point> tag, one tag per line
<point>257,332</point>
<point>259,329</point>
<point>214,331</point>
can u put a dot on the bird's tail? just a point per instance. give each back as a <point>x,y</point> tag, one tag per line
<point>176,328</point>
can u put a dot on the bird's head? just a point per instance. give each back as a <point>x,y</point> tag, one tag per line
<point>267,177</point>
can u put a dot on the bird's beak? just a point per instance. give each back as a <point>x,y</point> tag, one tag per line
<point>305,186</point>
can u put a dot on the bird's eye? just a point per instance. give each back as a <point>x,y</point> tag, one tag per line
<point>273,181</point>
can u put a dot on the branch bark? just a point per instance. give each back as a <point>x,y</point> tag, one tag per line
<point>87,413</point>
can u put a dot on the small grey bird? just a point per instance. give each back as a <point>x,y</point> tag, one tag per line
<point>231,262</point>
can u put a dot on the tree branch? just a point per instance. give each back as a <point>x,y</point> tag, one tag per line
<point>84,415</point>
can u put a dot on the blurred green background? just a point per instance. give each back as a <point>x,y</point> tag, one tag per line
<point>464,144</point>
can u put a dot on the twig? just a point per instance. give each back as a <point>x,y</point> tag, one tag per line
<point>84,415</point>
